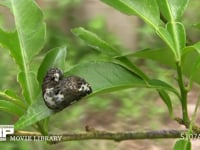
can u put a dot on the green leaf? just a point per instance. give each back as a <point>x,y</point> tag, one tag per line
<point>174,34</point>
<point>12,94</point>
<point>30,28</point>
<point>145,9</point>
<point>167,100</point>
<point>54,58</point>
<point>104,76</point>
<point>28,40</point>
<point>148,10</point>
<point>121,6</point>
<point>10,107</point>
<point>167,38</point>
<point>43,125</point>
<point>95,42</point>
<point>125,62</point>
<point>177,31</point>
<point>104,47</point>
<point>12,97</point>
<point>192,68</point>
<point>161,85</point>
<point>182,145</point>
<point>11,41</point>
<point>29,84</point>
<point>163,56</point>
<point>30,32</point>
<point>172,9</point>
<point>29,37</point>
<point>36,112</point>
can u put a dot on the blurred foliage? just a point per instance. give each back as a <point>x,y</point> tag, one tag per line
<point>67,17</point>
<point>7,71</point>
<point>128,105</point>
<point>190,20</point>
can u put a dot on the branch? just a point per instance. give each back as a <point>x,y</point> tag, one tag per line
<point>121,136</point>
<point>195,128</point>
<point>92,134</point>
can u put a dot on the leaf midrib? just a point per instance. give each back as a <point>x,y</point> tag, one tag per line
<point>25,66</point>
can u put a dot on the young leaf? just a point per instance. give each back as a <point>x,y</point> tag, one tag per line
<point>167,38</point>
<point>10,107</point>
<point>165,97</point>
<point>54,58</point>
<point>95,42</point>
<point>177,31</point>
<point>145,9</point>
<point>182,145</point>
<point>172,10</point>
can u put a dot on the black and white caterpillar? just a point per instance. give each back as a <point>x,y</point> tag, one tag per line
<point>59,91</point>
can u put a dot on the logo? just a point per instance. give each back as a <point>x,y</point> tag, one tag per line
<point>6,130</point>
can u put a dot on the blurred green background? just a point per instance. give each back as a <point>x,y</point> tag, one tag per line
<point>127,110</point>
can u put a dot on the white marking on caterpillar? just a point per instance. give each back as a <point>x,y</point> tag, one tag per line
<point>84,87</point>
<point>48,97</point>
<point>56,76</point>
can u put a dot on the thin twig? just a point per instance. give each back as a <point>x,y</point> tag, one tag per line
<point>26,133</point>
<point>121,136</point>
